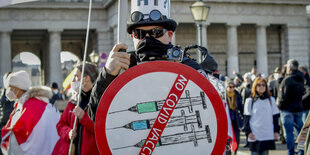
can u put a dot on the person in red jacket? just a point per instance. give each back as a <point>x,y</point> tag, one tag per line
<point>84,135</point>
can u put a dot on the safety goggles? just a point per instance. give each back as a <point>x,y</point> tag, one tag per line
<point>153,16</point>
<point>155,32</point>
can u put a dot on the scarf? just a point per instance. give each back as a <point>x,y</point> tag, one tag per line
<point>262,97</point>
<point>152,49</point>
<point>231,98</point>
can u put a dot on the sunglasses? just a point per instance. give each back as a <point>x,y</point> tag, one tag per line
<point>153,16</point>
<point>231,86</point>
<point>155,32</point>
<point>261,85</point>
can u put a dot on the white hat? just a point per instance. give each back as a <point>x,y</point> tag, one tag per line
<point>247,75</point>
<point>19,79</point>
<point>142,12</point>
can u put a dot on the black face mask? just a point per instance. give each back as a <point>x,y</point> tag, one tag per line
<point>152,49</point>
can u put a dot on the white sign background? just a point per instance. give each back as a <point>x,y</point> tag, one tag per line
<point>155,86</point>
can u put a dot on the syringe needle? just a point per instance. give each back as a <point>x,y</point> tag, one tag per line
<point>117,111</point>
<point>114,128</point>
<point>124,147</point>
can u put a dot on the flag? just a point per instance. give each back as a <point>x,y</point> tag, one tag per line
<point>67,82</point>
<point>34,132</point>
<point>4,3</point>
<point>231,134</point>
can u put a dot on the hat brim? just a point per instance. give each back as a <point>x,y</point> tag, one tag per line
<point>168,24</point>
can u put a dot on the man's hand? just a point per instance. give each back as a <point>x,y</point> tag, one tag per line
<point>78,112</point>
<point>251,136</point>
<point>72,134</point>
<point>117,60</point>
<point>276,136</point>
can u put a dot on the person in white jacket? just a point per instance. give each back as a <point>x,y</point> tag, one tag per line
<point>31,128</point>
<point>261,116</point>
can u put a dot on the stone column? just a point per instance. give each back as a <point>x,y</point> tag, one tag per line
<point>104,41</point>
<point>54,70</point>
<point>5,54</point>
<point>261,51</point>
<point>232,50</point>
<point>204,35</point>
<point>297,45</point>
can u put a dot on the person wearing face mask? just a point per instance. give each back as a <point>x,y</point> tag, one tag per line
<point>261,116</point>
<point>56,93</point>
<point>84,135</point>
<point>32,116</point>
<point>151,30</point>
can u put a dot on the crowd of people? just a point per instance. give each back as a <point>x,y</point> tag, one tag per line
<point>255,105</point>
<point>31,124</point>
<point>260,101</point>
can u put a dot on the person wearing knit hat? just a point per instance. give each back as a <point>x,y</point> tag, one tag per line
<point>18,83</point>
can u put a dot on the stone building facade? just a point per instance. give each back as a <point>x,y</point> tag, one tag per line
<point>240,34</point>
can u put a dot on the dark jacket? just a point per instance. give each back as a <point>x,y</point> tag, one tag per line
<point>245,92</point>
<point>237,115</point>
<point>101,84</point>
<point>306,98</point>
<point>276,87</point>
<point>271,87</point>
<point>6,107</point>
<point>55,97</point>
<point>291,91</point>
<point>307,79</point>
<point>103,81</point>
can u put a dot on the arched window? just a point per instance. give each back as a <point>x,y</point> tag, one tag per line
<point>31,64</point>
<point>68,60</point>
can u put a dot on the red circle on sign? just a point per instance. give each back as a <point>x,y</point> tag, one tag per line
<point>160,66</point>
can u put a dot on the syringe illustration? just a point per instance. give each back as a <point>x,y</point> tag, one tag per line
<point>173,121</point>
<point>153,106</point>
<point>191,136</point>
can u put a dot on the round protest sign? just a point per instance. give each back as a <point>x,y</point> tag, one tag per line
<point>161,108</point>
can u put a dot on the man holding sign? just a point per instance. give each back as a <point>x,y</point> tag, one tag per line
<point>152,32</point>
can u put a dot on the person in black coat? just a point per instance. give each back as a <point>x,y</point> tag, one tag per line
<point>290,95</point>
<point>306,96</point>
<point>304,70</point>
<point>6,106</point>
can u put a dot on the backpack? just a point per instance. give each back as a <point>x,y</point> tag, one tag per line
<point>208,64</point>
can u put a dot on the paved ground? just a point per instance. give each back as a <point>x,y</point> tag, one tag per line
<point>280,148</point>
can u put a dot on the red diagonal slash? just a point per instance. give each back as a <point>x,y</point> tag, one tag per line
<point>164,115</point>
